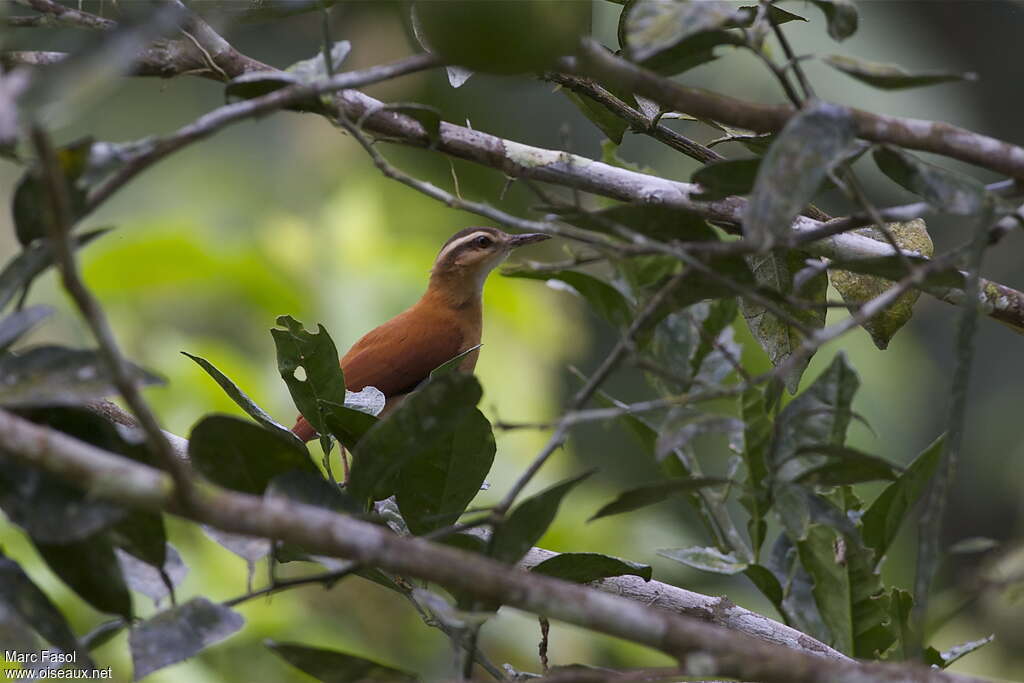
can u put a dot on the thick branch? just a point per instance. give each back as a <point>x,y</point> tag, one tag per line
<point>110,477</point>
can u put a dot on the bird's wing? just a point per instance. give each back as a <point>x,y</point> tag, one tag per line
<point>400,354</point>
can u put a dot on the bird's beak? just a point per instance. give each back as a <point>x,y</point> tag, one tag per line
<point>527,238</point>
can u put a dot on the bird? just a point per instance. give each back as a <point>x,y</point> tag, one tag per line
<point>445,322</point>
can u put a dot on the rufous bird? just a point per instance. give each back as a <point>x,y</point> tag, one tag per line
<point>445,322</point>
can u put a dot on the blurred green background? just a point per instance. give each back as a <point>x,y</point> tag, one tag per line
<point>286,215</point>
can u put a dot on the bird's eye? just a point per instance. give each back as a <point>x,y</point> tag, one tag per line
<point>483,241</point>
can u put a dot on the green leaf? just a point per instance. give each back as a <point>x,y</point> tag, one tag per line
<point>775,272</point>
<point>243,456</point>
<point>55,375</point>
<point>91,570</point>
<point>437,485</point>
<point>332,666</point>
<point>652,220</point>
<point>154,581</point>
<point>607,301</point>
<point>30,206</point>
<point>758,431</point>
<point>856,289</point>
<point>776,14</point>
<point>891,76</point>
<point>528,522</point>
<point>945,190</point>
<point>944,659</point>
<point>587,567</point>
<point>810,143</point>
<point>178,633</point>
<point>322,378</point>
<point>642,496</point>
<point>767,583</point>
<point>16,325</point>
<point>848,592</point>
<point>315,68</point>
<point>611,125</point>
<point>451,365</point>
<point>21,270</point>
<point>257,83</point>
<point>706,559</point>
<point>841,16</point>
<point>721,179</point>
<point>671,37</point>
<point>347,425</point>
<point>882,520</point>
<point>22,596</point>
<point>845,466</point>
<point>311,488</point>
<point>424,419</point>
<point>240,398</point>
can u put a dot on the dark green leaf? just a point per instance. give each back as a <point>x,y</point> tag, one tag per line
<point>311,488</point>
<point>437,485</point>
<point>821,414</point>
<point>841,16</point>
<point>776,14</point>
<point>775,272</point>
<point>243,456</point>
<point>891,76</point>
<point>16,325</point>
<point>31,203</point>
<point>706,559</point>
<point>178,633</point>
<point>607,301</point>
<point>652,220</point>
<point>239,397</point>
<point>452,365</point>
<point>90,568</point>
<point>587,567</point>
<point>322,378</point>
<point>883,518</point>
<point>19,272</point>
<point>20,594</point>
<point>528,522</point>
<point>845,466</point>
<point>682,426</point>
<point>55,375</point>
<point>642,496</point>
<point>427,116</point>
<point>331,666</point>
<point>720,179</point>
<point>424,419</point>
<point>671,37</point>
<point>347,425</point>
<point>810,143</point>
<point>252,84</point>
<point>757,442</point>
<point>945,190</point>
<point>767,583</point>
<point>944,659</point>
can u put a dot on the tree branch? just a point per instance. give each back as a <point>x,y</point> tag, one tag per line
<point>110,477</point>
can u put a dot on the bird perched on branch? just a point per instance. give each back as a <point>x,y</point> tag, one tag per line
<point>445,322</point>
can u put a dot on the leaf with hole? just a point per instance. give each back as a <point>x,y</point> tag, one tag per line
<point>320,377</point>
<point>423,420</point>
<point>587,567</point>
<point>528,522</point>
<point>642,496</point>
<point>794,168</point>
<point>178,633</point>
<point>439,483</point>
<point>891,76</point>
<point>243,456</point>
<point>945,190</point>
<point>55,375</point>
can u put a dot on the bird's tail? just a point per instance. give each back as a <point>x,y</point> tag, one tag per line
<point>304,430</point>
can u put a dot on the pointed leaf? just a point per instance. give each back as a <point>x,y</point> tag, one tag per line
<point>21,270</point>
<point>652,220</point>
<point>422,420</point>
<point>16,325</point>
<point>528,522</point>
<point>90,569</point>
<point>607,301</point>
<point>945,190</point>
<point>611,125</point>
<point>178,633</point>
<point>706,559</point>
<point>794,168</point>
<point>322,378</point>
<point>671,37</point>
<point>332,666</point>
<point>721,179</point>
<point>891,76</point>
<point>145,578</point>
<point>845,466</point>
<point>587,567</point>
<point>642,496</point>
<point>239,396</point>
<point>758,431</point>
<point>882,520</point>
<point>841,16</point>
<point>347,425</point>
<point>453,364</point>
<point>30,205</point>
<point>243,456</point>
<point>55,375</point>
<point>437,485</point>
<point>945,659</point>
<point>767,583</point>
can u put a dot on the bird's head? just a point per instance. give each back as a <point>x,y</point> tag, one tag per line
<point>471,254</point>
